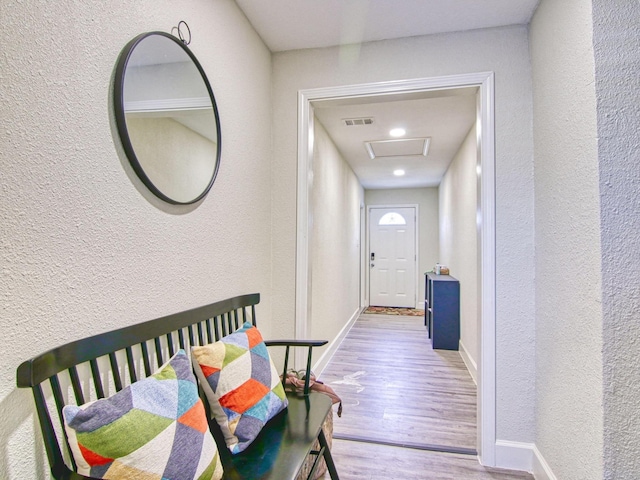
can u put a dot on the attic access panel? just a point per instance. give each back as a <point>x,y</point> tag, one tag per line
<point>398,148</point>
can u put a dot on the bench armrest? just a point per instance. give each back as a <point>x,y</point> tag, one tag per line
<point>297,343</point>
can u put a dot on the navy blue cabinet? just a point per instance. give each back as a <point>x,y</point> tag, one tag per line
<point>442,311</point>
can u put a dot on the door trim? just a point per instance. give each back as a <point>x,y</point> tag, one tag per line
<point>364,289</point>
<point>486,137</point>
<point>416,244</point>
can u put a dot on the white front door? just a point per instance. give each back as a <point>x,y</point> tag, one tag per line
<point>392,257</point>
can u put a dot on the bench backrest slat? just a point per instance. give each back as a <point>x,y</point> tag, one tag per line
<point>115,371</point>
<point>132,371</point>
<point>52,448</point>
<point>77,388</point>
<point>158,345</point>
<point>145,358</point>
<point>181,339</point>
<point>59,400</point>
<point>97,381</point>
<point>192,340</point>
<point>172,350</point>
<point>208,326</point>
<point>216,327</point>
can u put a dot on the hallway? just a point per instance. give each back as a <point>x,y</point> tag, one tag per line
<point>404,404</point>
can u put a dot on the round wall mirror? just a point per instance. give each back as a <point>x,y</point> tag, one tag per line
<point>167,117</point>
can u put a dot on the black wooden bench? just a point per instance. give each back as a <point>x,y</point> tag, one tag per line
<point>100,365</point>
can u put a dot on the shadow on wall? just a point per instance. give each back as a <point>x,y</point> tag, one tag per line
<point>17,408</point>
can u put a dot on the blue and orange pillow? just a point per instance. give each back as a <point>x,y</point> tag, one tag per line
<point>241,384</point>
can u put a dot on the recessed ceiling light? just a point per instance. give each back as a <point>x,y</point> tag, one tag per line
<point>398,173</point>
<point>397,132</point>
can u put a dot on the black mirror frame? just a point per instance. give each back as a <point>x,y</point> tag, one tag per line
<point>121,122</point>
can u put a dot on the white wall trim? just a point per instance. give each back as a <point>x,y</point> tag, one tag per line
<point>486,135</point>
<point>469,362</point>
<point>487,352</point>
<point>514,455</point>
<point>303,218</point>
<point>523,456</point>
<point>541,469</point>
<point>322,362</point>
<point>364,291</point>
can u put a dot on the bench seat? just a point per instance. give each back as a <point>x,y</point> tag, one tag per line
<point>280,450</point>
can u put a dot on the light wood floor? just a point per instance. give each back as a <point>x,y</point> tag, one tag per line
<point>396,389</point>
<point>366,461</point>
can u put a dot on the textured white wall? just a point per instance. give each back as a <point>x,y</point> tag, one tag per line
<point>427,201</point>
<point>83,247</point>
<point>617,66</point>
<point>459,236</point>
<point>334,251</point>
<point>502,50</point>
<point>568,285</point>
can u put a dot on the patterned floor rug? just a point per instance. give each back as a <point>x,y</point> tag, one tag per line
<point>395,311</point>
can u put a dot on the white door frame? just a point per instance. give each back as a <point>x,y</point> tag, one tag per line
<point>486,136</point>
<point>416,207</point>
<point>364,271</point>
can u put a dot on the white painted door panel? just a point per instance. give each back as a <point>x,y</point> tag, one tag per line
<point>392,257</point>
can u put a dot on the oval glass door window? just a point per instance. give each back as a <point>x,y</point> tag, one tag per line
<point>392,218</point>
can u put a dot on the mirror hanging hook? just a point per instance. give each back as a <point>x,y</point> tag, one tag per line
<point>180,34</point>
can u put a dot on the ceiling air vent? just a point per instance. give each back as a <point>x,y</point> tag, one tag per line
<point>351,122</point>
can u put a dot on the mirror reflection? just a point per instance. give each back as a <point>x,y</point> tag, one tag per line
<point>167,118</point>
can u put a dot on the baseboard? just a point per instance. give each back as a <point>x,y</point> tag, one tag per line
<point>514,455</point>
<point>523,456</point>
<point>468,361</point>
<point>322,362</point>
<point>541,469</point>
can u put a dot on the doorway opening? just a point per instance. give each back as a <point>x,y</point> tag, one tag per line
<point>486,221</point>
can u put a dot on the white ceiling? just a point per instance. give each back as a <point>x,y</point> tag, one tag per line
<point>296,24</point>
<point>444,116</point>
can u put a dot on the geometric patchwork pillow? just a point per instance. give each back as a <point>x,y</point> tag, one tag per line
<point>241,384</point>
<point>155,428</point>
